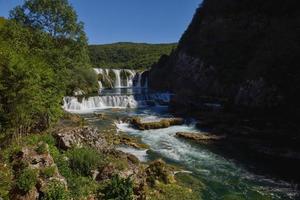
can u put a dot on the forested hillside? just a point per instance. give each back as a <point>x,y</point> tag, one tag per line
<point>128,55</point>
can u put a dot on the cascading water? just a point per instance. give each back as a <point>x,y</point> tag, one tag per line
<point>90,104</point>
<point>127,89</point>
<point>118,78</point>
<point>72,104</point>
<point>121,78</point>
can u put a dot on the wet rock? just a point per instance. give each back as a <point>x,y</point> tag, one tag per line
<point>200,137</point>
<point>163,123</point>
<point>131,141</point>
<point>100,115</point>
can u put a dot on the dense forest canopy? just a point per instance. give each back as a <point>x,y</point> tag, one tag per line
<point>128,55</point>
<point>40,62</point>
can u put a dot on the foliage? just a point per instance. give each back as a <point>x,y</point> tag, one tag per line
<point>2,21</point>
<point>34,139</point>
<point>84,160</point>
<point>43,56</point>
<point>158,172</point>
<point>118,189</point>
<point>26,180</point>
<point>41,148</point>
<point>48,172</point>
<point>56,17</point>
<point>56,191</point>
<point>128,55</point>
<point>6,181</point>
<point>81,187</point>
<point>171,191</point>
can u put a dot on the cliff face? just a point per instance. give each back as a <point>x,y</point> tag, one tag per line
<point>243,52</point>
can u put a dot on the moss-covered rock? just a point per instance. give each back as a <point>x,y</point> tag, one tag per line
<point>200,137</point>
<point>163,123</point>
<point>157,172</point>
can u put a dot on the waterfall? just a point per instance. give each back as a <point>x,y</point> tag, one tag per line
<point>90,104</point>
<point>100,85</point>
<point>118,78</point>
<point>122,78</point>
<point>129,79</point>
<point>139,80</point>
<point>72,104</point>
<point>111,82</point>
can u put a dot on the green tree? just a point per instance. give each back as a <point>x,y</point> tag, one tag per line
<point>56,17</point>
<point>67,53</point>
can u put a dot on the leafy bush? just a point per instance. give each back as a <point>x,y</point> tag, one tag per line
<point>26,180</point>
<point>84,160</point>
<point>81,187</point>
<point>56,191</point>
<point>48,171</point>
<point>5,181</point>
<point>171,191</point>
<point>118,189</point>
<point>41,148</point>
<point>34,139</point>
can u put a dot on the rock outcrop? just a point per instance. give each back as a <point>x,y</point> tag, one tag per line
<point>237,53</point>
<point>79,136</point>
<point>40,162</point>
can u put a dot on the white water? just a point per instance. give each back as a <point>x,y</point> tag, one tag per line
<point>91,104</point>
<point>132,78</point>
<point>217,171</point>
<point>118,78</point>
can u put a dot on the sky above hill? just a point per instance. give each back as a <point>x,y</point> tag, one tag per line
<point>109,21</point>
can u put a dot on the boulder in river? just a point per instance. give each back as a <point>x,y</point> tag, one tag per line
<point>162,123</point>
<point>200,137</point>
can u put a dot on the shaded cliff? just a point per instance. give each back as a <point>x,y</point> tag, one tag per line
<point>241,52</point>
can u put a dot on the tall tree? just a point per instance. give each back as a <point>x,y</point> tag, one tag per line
<point>67,54</point>
<point>57,17</point>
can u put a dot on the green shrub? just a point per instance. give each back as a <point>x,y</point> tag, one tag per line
<point>56,191</point>
<point>84,160</point>
<point>26,180</point>
<point>118,189</point>
<point>34,139</point>
<point>48,172</point>
<point>171,191</point>
<point>81,187</point>
<point>41,148</point>
<point>5,181</point>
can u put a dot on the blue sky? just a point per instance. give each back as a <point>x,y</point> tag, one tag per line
<point>108,21</point>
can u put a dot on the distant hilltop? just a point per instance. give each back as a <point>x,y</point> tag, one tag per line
<point>128,55</point>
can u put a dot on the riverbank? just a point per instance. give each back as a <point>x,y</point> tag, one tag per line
<point>75,160</point>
